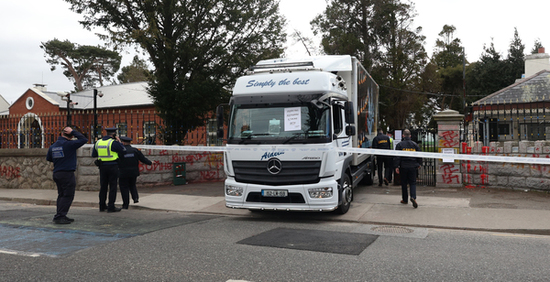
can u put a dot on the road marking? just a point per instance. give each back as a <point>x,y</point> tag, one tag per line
<point>24,254</point>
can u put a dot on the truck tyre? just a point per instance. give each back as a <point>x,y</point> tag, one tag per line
<point>345,194</point>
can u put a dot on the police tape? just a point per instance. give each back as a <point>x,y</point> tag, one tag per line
<point>446,156</point>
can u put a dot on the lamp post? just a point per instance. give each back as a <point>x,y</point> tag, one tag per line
<point>67,97</point>
<point>96,93</point>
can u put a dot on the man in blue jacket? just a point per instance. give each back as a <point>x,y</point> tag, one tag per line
<point>407,167</point>
<point>63,155</point>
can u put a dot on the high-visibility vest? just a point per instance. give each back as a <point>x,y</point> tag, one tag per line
<point>104,152</point>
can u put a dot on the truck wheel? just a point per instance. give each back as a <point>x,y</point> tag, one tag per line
<point>345,194</point>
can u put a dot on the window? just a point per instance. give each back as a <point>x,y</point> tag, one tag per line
<point>149,132</point>
<point>337,119</point>
<point>122,129</point>
<point>212,132</point>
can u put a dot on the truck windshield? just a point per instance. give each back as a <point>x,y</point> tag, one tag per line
<point>279,124</point>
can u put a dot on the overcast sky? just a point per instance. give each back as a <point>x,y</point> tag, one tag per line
<point>27,23</point>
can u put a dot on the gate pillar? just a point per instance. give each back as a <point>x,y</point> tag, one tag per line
<point>448,132</point>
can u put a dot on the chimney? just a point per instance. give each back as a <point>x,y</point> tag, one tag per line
<point>536,62</point>
<point>41,87</point>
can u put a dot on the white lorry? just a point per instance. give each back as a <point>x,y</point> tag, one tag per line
<point>287,119</point>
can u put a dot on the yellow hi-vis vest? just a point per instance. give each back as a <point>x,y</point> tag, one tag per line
<point>104,152</point>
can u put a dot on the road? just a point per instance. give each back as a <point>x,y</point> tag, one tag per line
<point>142,245</point>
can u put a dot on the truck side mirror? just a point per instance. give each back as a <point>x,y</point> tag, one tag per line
<point>350,113</point>
<point>350,130</point>
<point>219,120</point>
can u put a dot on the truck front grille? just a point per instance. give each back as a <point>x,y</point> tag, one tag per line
<point>292,172</point>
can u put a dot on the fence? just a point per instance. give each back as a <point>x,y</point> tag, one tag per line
<point>143,126</point>
<point>514,121</point>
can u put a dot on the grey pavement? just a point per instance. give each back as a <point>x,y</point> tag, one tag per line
<point>487,209</point>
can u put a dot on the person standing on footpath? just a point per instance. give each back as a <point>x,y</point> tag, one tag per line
<point>407,167</point>
<point>382,141</point>
<point>63,155</point>
<point>129,171</point>
<point>107,150</point>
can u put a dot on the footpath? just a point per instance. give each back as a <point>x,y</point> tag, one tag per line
<point>485,209</point>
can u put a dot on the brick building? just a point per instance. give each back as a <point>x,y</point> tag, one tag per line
<point>35,119</point>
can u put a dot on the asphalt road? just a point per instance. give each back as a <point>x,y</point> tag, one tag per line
<point>141,245</point>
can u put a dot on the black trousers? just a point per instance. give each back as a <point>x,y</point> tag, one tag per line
<point>66,185</point>
<point>127,187</point>
<point>385,163</point>
<point>108,178</point>
<point>408,176</point>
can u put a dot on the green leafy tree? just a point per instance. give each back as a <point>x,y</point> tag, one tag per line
<point>488,75</point>
<point>137,71</point>
<point>197,48</point>
<point>516,58</point>
<point>350,27</point>
<point>448,49</point>
<point>85,65</point>
<point>536,46</point>
<point>400,66</point>
<point>379,34</point>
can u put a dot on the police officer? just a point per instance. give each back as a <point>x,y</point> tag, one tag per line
<point>382,141</point>
<point>63,155</point>
<point>407,167</point>
<point>129,171</point>
<point>107,150</point>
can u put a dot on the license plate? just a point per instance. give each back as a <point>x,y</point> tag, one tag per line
<point>274,193</point>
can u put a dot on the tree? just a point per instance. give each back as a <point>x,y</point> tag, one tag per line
<point>350,27</point>
<point>379,34</point>
<point>537,46</point>
<point>85,65</point>
<point>137,71</point>
<point>448,50</point>
<point>399,67</point>
<point>516,58</point>
<point>488,75</point>
<point>197,47</point>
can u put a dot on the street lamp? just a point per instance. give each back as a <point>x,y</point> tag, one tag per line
<point>65,96</point>
<point>96,93</point>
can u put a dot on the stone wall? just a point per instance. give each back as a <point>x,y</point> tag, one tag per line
<point>508,175</point>
<point>28,168</point>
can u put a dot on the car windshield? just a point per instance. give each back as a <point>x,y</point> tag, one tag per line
<point>279,124</point>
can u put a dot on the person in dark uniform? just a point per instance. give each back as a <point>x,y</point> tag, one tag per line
<point>107,151</point>
<point>129,171</point>
<point>383,141</point>
<point>407,167</point>
<point>63,155</point>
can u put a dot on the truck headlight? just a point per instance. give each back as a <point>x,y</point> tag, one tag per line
<point>325,192</point>
<point>233,190</point>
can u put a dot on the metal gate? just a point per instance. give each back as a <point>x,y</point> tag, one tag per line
<point>427,140</point>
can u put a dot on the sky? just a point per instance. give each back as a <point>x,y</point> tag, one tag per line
<point>27,23</point>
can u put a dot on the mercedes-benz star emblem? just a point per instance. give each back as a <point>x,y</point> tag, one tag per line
<point>274,166</point>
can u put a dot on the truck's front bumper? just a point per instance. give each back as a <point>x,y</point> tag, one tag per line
<point>299,198</point>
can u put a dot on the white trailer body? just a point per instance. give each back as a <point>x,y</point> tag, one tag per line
<point>287,118</point>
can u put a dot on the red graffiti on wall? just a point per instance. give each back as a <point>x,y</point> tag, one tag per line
<point>449,175</point>
<point>448,139</point>
<point>209,175</point>
<point>163,153</point>
<point>469,168</point>
<point>10,172</point>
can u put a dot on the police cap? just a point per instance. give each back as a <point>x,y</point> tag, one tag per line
<point>110,130</point>
<point>126,139</point>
